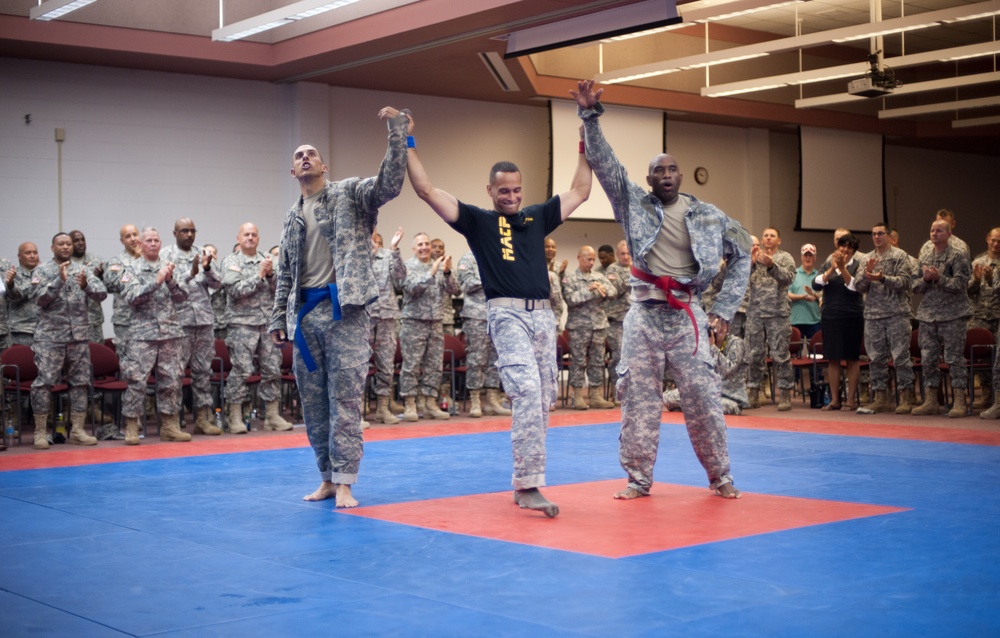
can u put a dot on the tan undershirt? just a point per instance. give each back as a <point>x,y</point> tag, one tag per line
<point>317,265</point>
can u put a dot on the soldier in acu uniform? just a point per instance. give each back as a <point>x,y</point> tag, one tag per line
<point>481,358</point>
<point>677,244</point>
<point>62,338</point>
<point>21,307</point>
<point>618,274</point>
<point>985,302</point>
<point>586,293</point>
<point>387,264</point>
<point>95,311</point>
<point>325,283</point>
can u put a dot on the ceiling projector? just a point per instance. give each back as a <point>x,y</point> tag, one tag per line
<point>876,82</point>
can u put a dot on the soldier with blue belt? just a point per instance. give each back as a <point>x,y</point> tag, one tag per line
<point>508,244</point>
<point>677,244</point>
<point>325,282</point>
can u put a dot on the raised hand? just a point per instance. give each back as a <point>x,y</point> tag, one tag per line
<point>585,95</point>
<point>396,238</point>
<point>81,279</point>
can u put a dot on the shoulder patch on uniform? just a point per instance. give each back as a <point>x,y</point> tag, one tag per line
<point>235,268</point>
<point>35,279</point>
<point>115,267</point>
<point>126,278</point>
<point>612,276</point>
<point>463,267</point>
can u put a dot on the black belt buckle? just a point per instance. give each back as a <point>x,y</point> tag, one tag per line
<point>529,304</point>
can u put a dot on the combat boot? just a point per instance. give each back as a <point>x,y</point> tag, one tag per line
<point>930,404</point>
<point>959,408</point>
<point>382,412</point>
<point>203,422</point>
<point>881,403</point>
<point>753,394</point>
<point>273,419</point>
<point>431,410</point>
<point>493,404</point>
<point>131,430</point>
<point>170,429</point>
<point>78,435</point>
<point>785,400</point>
<point>983,401</point>
<point>394,405</point>
<point>906,400</point>
<point>993,412</point>
<point>236,424</point>
<point>476,407</point>
<point>410,410</point>
<point>579,403</point>
<point>597,401</point>
<point>41,432</point>
<point>864,395</point>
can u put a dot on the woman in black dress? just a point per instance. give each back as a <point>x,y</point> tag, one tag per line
<point>842,319</point>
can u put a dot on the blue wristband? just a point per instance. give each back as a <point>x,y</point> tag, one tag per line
<point>410,142</point>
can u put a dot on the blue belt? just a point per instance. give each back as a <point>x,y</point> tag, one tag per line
<point>311,297</point>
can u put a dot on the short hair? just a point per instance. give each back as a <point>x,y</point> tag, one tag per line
<point>273,247</point>
<point>59,234</point>
<point>945,213</point>
<point>148,229</point>
<point>882,225</point>
<point>776,231</point>
<point>503,167</point>
<point>605,249</point>
<point>849,240</point>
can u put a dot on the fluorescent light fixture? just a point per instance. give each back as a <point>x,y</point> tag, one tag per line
<point>858,31</point>
<point>708,14</point>
<point>875,34</point>
<point>52,9</point>
<point>727,60</point>
<point>941,107</point>
<point>274,19</point>
<point>906,89</point>
<point>641,16</point>
<point>847,71</point>
<point>976,121</point>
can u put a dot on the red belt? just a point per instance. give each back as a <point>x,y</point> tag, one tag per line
<point>668,284</point>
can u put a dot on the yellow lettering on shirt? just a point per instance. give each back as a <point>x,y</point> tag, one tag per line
<point>506,247</point>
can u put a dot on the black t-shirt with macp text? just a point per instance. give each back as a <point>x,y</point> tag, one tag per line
<point>510,251</point>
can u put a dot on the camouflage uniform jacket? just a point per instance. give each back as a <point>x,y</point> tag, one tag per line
<point>472,287</point>
<point>985,302</point>
<point>387,264</point>
<point>22,309</point>
<point>586,307</point>
<point>113,271</point>
<point>555,295</point>
<point>249,297</point>
<point>948,297</point>
<point>618,275</point>
<point>62,316</point>
<point>889,297</point>
<point>423,292</point>
<point>346,213</point>
<point>4,267</point>
<point>769,287</point>
<point>95,311</point>
<point>714,236</point>
<point>198,309</point>
<point>154,312</point>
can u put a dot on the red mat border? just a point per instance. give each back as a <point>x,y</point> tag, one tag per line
<point>117,452</point>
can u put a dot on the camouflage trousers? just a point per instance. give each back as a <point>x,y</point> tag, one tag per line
<point>121,343</point>
<point>480,356</point>
<point>97,333</point>
<point>996,368</point>
<point>384,333</point>
<point>586,348</point>
<point>657,336</point>
<point>885,338</point>
<point>5,341</point>
<point>422,344</point>
<point>525,341</point>
<point>616,330</point>
<point>737,327</point>
<point>22,338</point>
<point>949,337</point>
<point>332,394</point>
<point>53,359</point>
<point>768,336</point>
<point>244,342</point>
<point>672,400</point>
<point>196,351</point>
<point>142,358</point>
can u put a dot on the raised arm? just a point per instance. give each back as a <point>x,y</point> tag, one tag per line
<point>579,189</point>
<point>444,204</point>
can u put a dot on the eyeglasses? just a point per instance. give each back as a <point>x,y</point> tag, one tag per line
<point>877,233</point>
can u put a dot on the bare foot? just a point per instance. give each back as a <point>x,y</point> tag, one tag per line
<point>326,490</point>
<point>728,491</point>
<point>629,493</point>
<point>344,497</point>
<point>532,499</point>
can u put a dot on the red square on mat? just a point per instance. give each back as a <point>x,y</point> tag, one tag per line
<point>591,522</point>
